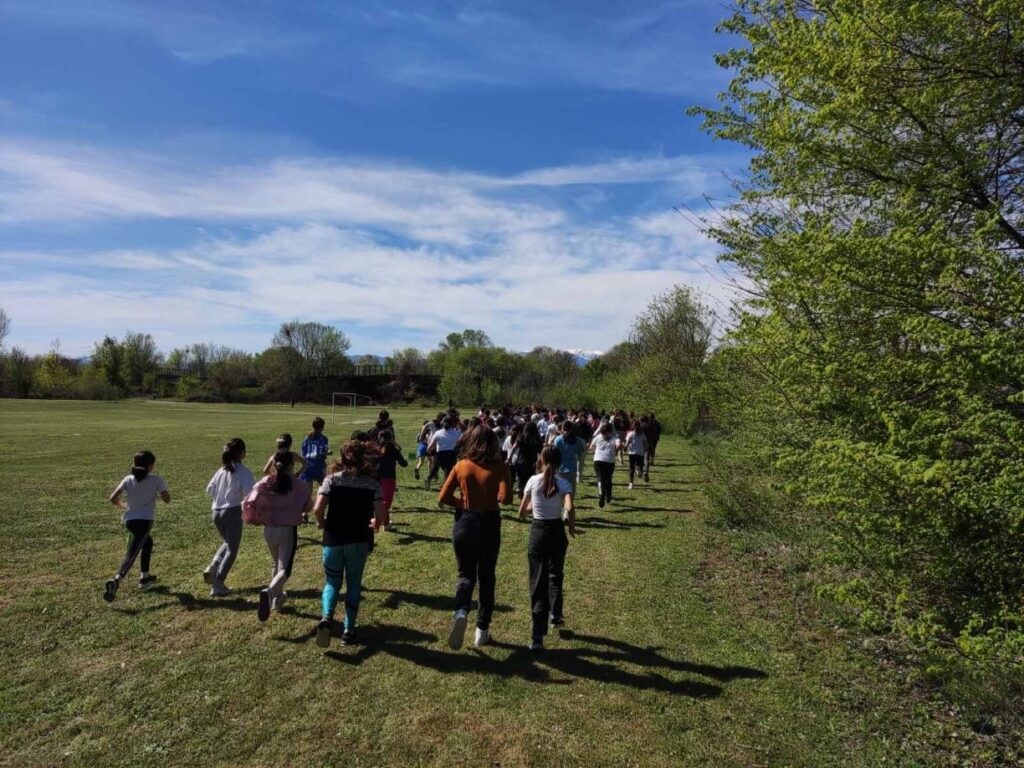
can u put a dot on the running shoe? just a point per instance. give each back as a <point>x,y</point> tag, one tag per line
<point>146,581</point>
<point>208,575</point>
<point>348,637</point>
<point>323,633</point>
<point>482,638</point>
<point>557,621</point>
<point>458,633</point>
<point>416,474</point>
<point>263,609</point>
<point>110,590</point>
<point>219,590</point>
<point>600,502</point>
<point>537,646</point>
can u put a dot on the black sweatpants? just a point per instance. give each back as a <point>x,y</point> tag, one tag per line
<point>139,541</point>
<point>476,538</point>
<point>523,474</point>
<point>546,554</point>
<point>636,465</point>
<point>443,461</point>
<point>604,471</point>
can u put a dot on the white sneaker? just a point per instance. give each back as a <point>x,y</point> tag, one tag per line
<point>631,486</point>
<point>208,575</point>
<point>483,637</point>
<point>458,633</point>
<point>219,590</point>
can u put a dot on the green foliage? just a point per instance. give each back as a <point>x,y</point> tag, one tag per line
<point>883,230</point>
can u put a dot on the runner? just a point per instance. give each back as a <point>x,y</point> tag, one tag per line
<point>636,446</point>
<point>227,488</point>
<point>605,446</point>
<point>549,497</point>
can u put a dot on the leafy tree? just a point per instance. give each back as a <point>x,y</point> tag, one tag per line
<point>108,358</point>
<point>674,332</point>
<point>320,348</point>
<point>53,376</point>
<point>5,326</point>
<point>367,360</point>
<point>17,373</point>
<point>140,357</point>
<point>882,231</point>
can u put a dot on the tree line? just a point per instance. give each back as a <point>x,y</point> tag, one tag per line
<point>651,369</point>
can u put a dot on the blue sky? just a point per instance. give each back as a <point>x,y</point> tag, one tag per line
<point>205,171</point>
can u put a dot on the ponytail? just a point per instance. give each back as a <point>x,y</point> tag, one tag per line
<point>282,482</point>
<point>551,459</point>
<point>318,427</point>
<point>232,453</point>
<point>142,463</point>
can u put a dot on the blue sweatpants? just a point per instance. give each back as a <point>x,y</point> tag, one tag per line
<point>344,563</point>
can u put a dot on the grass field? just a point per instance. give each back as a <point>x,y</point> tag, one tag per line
<point>678,649</point>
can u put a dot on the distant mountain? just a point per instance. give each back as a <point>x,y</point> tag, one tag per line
<point>584,356</point>
<point>356,358</point>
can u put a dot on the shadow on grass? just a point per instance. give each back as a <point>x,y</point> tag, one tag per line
<point>603,524</point>
<point>234,602</point>
<point>404,538</point>
<point>395,598</point>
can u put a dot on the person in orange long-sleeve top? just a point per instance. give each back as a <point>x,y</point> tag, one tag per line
<point>476,487</point>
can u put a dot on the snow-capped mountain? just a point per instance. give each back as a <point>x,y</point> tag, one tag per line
<point>584,356</point>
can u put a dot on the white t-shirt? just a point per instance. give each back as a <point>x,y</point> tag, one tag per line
<point>604,448</point>
<point>636,443</point>
<point>229,489</point>
<point>446,439</point>
<point>542,427</point>
<point>140,496</point>
<point>546,507</point>
<point>507,446</point>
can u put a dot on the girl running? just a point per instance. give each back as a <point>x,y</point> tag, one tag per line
<point>572,449</point>
<point>278,503</point>
<point>423,438</point>
<point>526,451</point>
<point>636,446</point>
<point>284,443</point>
<point>387,471</point>
<point>443,442</point>
<point>549,497</point>
<point>228,488</point>
<point>605,446</point>
<point>141,489</point>
<point>315,450</point>
<point>350,503</point>
<point>483,484</point>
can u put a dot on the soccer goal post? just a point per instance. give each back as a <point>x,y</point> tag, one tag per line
<point>349,397</point>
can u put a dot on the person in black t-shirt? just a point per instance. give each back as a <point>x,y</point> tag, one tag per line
<point>349,506</point>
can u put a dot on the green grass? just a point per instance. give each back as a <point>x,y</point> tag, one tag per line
<point>679,650</point>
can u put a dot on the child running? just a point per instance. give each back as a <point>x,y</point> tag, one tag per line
<point>228,488</point>
<point>387,471</point>
<point>284,443</point>
<point>278,503</point>
<point>571,448</point>
<point>315,450</point>
<point>636,446</point>
<point>141,489</point>
<point>605,446</point>
<point>547,495</point>
<point>350,503</point>
<point>483,484</point>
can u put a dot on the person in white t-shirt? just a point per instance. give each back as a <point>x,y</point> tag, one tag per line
<point>228,488</point>
<point>141,489</point>
<point>549,497</point>
<point>605,446</point>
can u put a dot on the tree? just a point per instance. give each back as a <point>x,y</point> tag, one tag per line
<point>5,326</point>
<point>321,348</point>
<point>53,377</point>
<point>140,357</point>
<point>17,373</point>
<point>674,332</point>
<point>108,358</point>
<point>882,232</point>
<point>367,360</point>
<point>467,338</point>
<point>232,370</point>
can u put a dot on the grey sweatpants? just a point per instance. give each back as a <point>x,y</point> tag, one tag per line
<point>229,525</point>
<point>281,541</point>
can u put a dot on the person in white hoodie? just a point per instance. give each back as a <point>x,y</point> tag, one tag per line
<point>228,488</point>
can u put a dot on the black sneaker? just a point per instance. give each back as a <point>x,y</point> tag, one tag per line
<point>263,609</point>
<point>323,633</point>
<point>110,591</point>
<point>557,621</point>
<point>147,580</point>
<point>537,646</point>
<point>416,474</point>
<point>600,502</point>
<point>348,637</point>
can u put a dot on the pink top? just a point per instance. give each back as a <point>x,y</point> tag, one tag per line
<point>264,507</point>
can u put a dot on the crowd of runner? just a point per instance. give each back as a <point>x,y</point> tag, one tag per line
<point>482,462</point>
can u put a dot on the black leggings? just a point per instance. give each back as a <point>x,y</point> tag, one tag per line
<point>636,465</point>
<point>476,538</point>
<point>604,471</point>
<point>139,541</point>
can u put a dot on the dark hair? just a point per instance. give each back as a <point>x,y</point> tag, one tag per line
<point>386,436</point>
<point>318,426</point>
<point>382,416</point>
<point>481,446</point>
<point>605,430</point>
<point>353,460</point>
<point>233,450</point>
<point>142,465</point>
<point>568,429</point>
<point>550,461</point>
<point>360,436</point>
<point>531,435</point>
<point>282,482</point>
<point>284,442</point>
<point>635,426</point>
<point>450,422</point>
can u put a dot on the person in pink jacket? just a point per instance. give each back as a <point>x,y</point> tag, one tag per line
<point>277,502</point>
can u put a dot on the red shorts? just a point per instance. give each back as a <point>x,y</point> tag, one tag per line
<point>388,486</point>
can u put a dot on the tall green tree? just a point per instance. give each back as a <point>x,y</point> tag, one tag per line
<point>882,229</point>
